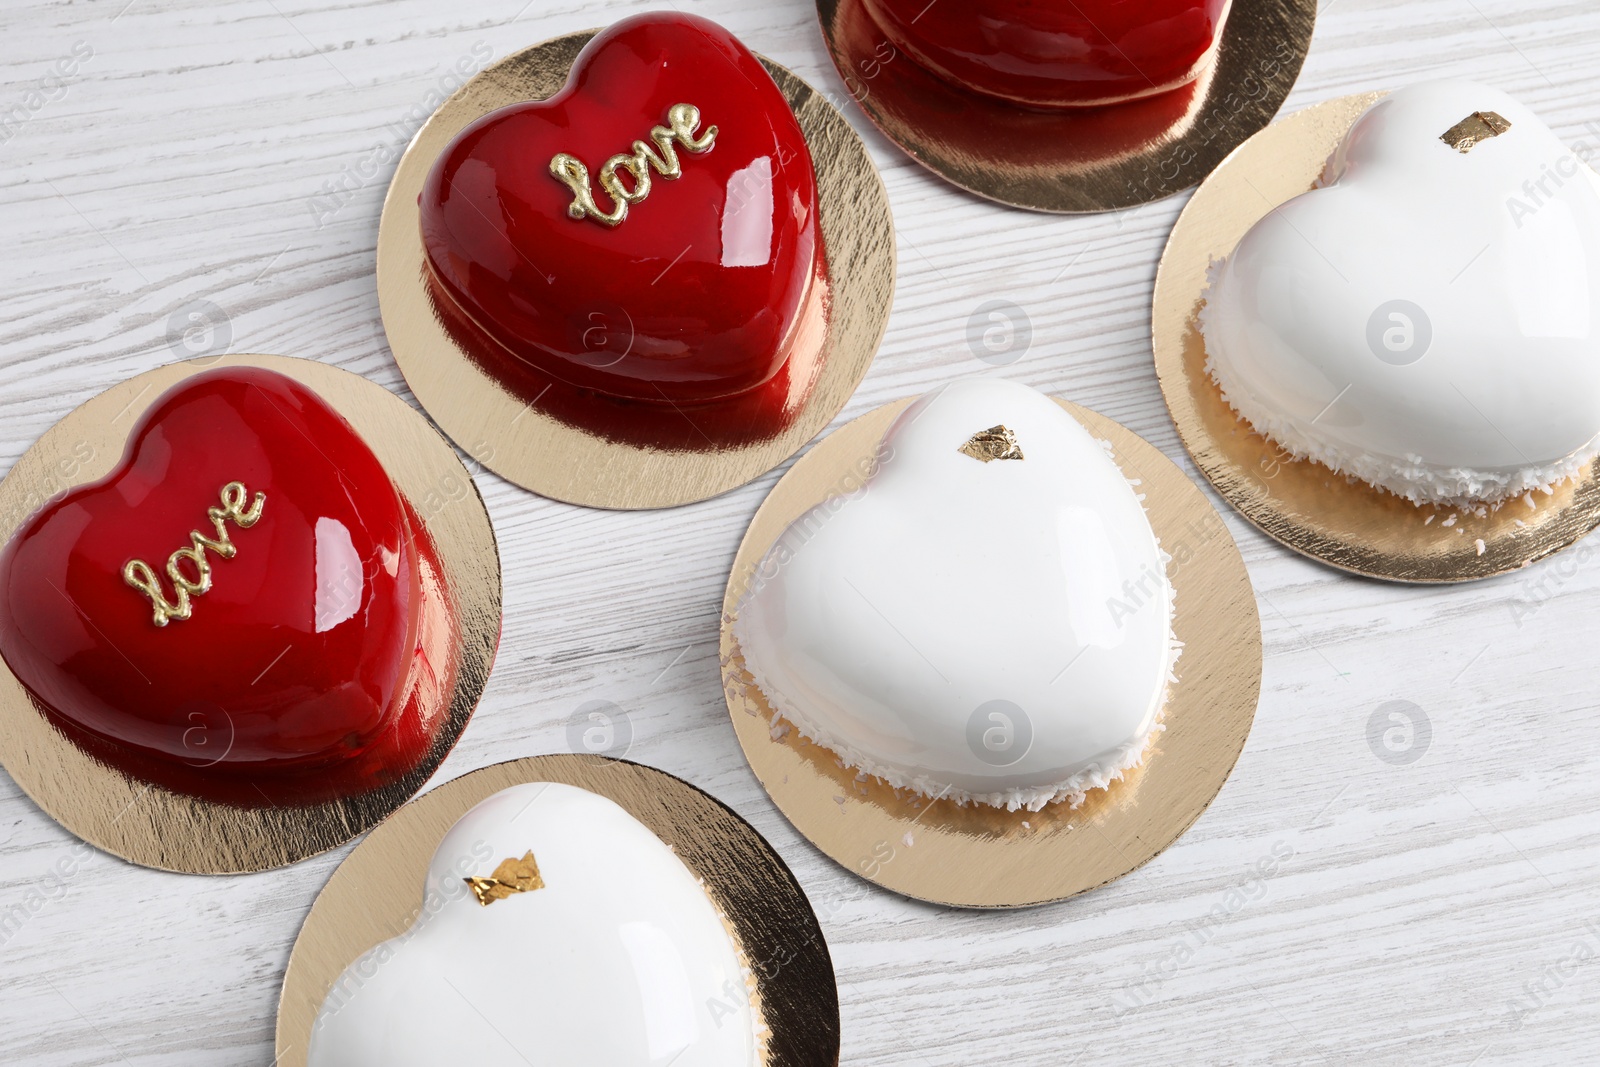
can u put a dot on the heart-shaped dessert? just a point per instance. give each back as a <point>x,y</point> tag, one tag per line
<point>557,927</point>
<point>988,620</point>
<point>649,233</point>
<point>1053,55</point>
<point>245,601</point>
<point>1428,318</point>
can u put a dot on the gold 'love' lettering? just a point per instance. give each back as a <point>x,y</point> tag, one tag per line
<point>662,156</point>
<point>237,508</point>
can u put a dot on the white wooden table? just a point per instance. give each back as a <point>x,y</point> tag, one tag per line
<point>1441,911</point>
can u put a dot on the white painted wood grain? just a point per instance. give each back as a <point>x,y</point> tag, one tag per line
<point>190,157</point>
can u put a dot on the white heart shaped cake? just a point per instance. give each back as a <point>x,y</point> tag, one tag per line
<point>557,929</point>
<point>1426,318</point>
<point>988,619</point>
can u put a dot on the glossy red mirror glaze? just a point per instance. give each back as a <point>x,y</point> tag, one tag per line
<point>305,653</point>
<point>1057,53</point>
<point>694,295</point>
<point>733,422</point>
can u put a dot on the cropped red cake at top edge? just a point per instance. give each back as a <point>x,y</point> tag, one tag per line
<point>245,608</point>
<point>1055,54</point>
<point>647,238</point>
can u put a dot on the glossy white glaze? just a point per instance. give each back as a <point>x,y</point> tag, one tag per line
<point>996,632</point>
<point>1485,383</point>
<point>621,958</point>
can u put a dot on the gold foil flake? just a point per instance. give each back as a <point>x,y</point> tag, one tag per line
<point>512,876</point>
<point>997,442</point>
<point>236,508</point>
<point>662,156</point>
<point>1473,130</point>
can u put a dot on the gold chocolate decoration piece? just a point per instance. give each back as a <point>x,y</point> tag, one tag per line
<point>1339,521</point>
<point>141,576</point>
<point>512,876</point>
<point>1085,159</point>
<point>378,891</point>
<point>1473,130</point>
<point>984,857</point>
<point>529,444</point>
<point>681,122</point>
<point>156,827</point>
<point>997,442</point>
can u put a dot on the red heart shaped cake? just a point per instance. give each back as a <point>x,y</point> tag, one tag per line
<point>245,599</point>
<point>649,233</point>
<point>1057,53</point>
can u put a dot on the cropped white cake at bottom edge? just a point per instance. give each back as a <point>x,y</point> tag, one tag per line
<point>988,619</point>
<point>610,953</point>
<point>1428,318</point>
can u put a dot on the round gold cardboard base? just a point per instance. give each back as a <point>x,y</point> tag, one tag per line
<point>985,857</point>
<point>1339,521</point>
<point>1087,159</point>
<point>149,825</point>
<point>552,458</point>
<point>377,892</point>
